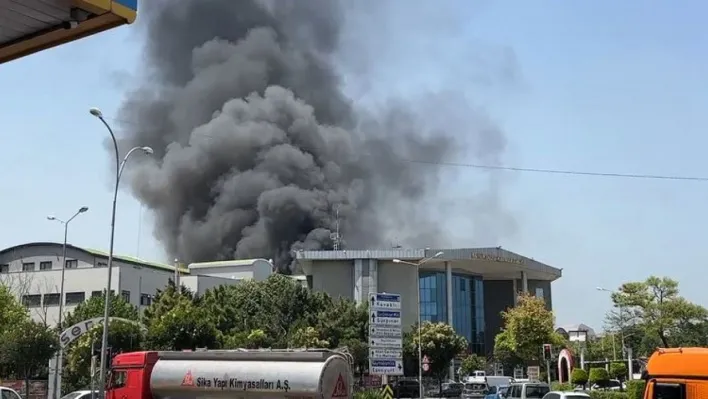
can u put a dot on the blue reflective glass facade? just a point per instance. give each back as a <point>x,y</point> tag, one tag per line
<point>467,305</point>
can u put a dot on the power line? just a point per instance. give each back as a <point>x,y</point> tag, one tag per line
<point>618,175</point>
<point>567,172</point>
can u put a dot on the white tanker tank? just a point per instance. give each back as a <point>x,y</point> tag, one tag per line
<point>235,374</point>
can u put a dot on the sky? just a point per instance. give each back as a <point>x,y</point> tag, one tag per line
<point>584,86</point>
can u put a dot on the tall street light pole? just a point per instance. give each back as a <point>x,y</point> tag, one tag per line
<point>621,322</point>
<point>60,356</point>
<point>107,301</point>
<point>420,335</point>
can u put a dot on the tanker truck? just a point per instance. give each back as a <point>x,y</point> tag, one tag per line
<point>321,374</point>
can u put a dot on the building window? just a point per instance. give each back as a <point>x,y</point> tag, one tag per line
<point>28,266</point>
<point>101,264</point>
<point>74,298</point>
<point>126,295</point>
<point>32,301</point>
<point>71,263</point>
<point>467,305</point>
<point>145,299</point>
<point>5,268</point>
<point>96,293</point>
<point>51,299</point>
<point>539,292</point>
<point>45,265</point>
<point>433,301</point>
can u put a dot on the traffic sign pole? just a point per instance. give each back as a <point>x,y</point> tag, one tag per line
<point>385,334</point>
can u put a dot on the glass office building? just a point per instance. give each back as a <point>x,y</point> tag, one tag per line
<point>467,305</point>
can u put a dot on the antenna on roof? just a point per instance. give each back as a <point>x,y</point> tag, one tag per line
<point>335,237</point>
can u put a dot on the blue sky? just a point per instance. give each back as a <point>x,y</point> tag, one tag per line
<point>599,86</point>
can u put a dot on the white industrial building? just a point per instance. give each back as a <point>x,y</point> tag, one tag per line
<point>32,272</point>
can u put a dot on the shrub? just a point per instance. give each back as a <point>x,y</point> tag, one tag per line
<point>368,394</point>
<point>618,371</point>
<point>579,377</point>
<point>635,389</point>
<point>606,394</point>
<point>599,376</point>
<point>561,386</point>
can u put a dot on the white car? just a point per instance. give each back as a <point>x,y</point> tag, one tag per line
<point>566,395</point>
<point>79,395</point>
<point>613,385</point>
<point>9,393</point>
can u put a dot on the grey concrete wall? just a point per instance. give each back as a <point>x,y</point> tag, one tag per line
<point>546,287</point>
<point>498,296</point>
<point>400,279</point>
<point>334,277</point>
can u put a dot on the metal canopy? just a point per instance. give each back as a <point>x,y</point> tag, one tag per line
<point>29,26</point>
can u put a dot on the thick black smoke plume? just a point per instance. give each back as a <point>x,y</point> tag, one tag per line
<point>257,149</point>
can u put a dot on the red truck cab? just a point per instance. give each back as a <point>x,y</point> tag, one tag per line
<point>130,375</point>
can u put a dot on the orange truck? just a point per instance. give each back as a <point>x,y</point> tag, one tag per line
<point>301,374</point>
<point>677,373</point>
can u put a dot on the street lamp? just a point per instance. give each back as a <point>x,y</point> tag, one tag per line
<point>420,341</point>
<point>621,322</point>
<point>60,356</point>
<point>120,165</point>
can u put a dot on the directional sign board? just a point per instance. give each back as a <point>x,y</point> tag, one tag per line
<point>386,367</point>
<point>386,353</point>
<point>385,334</point>
<point>385,318</point>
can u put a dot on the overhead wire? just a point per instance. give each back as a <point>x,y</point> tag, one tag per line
<point>643,176</point>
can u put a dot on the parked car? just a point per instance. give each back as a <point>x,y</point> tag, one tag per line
<point>449,390</point>
<point>9,393</point>
<point>85,394</point>
<point>474,390</point>
<point>497,392</point>
<point>613,385</point>
<point>406,389</point>
<point>528,390</point>
<point>566,395</point>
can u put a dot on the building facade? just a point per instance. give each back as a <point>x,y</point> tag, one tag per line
<point>33,273</point>
<point>467,288</point>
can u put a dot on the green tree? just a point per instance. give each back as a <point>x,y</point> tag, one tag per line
<point>27,347</point>
<point>471,363</point>
<point>12,313</point>
<point>618,371</point>
<point>278,306</point>
<point>184,326</point>
<point>307,337</point>
<point>527,327</point>
<point>164,301</point>
<point>341,320</point>
<point>440,343</point>
<point>579,377</point>
<point>253,339</point>
<point>360,354</point>
<point>282,309</point>
<point>655,304</point>
<point>599,376</point>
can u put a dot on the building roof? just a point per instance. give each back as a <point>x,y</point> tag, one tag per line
<point>95,252</point>
<point>29,26</point>
<point>567,328</point>
<point>226,263</point>
<point>493,254</point>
